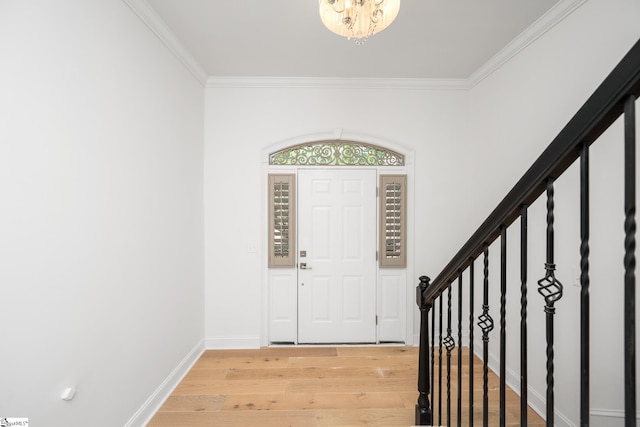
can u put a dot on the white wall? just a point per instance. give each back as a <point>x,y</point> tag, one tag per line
<point>455,135</point>
<point>102,182</point>
<point>101,218</point>
<point>515,113</point>
<point>241,122</point>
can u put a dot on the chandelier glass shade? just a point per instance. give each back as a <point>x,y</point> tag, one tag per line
<point>358,19</point>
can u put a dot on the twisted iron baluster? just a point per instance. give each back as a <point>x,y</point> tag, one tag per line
<point>630,261</point>
<point>433,337</point>
<point>523,317</point>
<point>440,364</point>
<point>503,326</point>
<point>449,344</point>
<point>551,289</point>
<point>471,292</point>
<point>486,325</point>
<point>460,349</point>
<point>584,286</point>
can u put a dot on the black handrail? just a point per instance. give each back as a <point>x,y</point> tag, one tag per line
<point>614,97</point>
<point>596,115</point>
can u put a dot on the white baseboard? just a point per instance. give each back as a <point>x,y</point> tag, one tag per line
<point>157,398</point>
<point>608,417</point>
<point>232,343</point>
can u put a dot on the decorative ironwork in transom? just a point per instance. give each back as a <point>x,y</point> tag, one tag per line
<point>336,153</point>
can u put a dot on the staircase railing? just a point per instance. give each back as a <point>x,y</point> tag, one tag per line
<point>615,97</point>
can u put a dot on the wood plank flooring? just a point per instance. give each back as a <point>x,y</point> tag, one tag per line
<point>317,387</point>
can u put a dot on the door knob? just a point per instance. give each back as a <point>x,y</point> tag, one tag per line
<point>303,266</point>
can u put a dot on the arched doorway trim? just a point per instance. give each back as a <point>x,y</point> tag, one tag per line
<point>336,153</point>
<point>273,319</point>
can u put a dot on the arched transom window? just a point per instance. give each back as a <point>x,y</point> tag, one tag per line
<point>336,153</point>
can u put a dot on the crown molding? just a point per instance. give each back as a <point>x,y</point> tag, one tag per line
<point>550,19</point>
<point>536,30</point>
<point>152,20</point>
<point>337,83</point>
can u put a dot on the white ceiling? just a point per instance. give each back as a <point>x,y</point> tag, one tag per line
<point>430,39</point>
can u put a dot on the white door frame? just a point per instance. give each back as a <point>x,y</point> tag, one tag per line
<point>411,311</point>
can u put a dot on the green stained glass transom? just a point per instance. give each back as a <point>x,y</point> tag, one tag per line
<point>336,153</point>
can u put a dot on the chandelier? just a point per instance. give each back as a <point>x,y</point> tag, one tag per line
<point>358,19</point>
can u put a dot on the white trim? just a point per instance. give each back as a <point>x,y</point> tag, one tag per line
<point>337,83</point>
<point>550,19</point>
<point>408,168</point>
<point>149,408</point>
<point>232,343</point>
<point>606,416</point>
<point>151,18</point>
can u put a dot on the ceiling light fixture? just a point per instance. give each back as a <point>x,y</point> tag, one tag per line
<point>358,19</point>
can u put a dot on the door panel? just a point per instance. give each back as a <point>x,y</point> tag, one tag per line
<point>352,291</point>
<point>321,299</point>
<point>337,234</point>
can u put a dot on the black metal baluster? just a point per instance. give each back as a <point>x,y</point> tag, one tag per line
<point>471,291</point>
<point>440,366</point>
<point>460,349</point>
<point>433,337</point>
<point>523,317</point>
<point>551,289</point>
<point>423,407</point>
<point>486,324</point>
<point>503,326</point>
<point>449,344</point>
<point>584,286</point>
<point>630,262</point>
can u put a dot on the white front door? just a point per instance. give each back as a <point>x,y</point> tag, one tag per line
<point>336,256</point>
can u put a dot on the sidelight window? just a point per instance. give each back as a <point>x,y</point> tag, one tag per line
<point>282,220</point>
<point>393,213</point>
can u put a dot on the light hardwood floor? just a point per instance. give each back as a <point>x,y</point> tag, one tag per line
<point>316,387</point>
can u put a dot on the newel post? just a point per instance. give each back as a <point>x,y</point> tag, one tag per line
<point>424,413</point>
